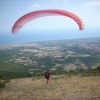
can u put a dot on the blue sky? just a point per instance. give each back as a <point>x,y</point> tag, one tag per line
<point>44,27</point>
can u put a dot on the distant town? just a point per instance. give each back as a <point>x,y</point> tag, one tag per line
<point>74,54</point>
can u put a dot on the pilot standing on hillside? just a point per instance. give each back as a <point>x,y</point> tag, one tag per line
<point>47,75</point>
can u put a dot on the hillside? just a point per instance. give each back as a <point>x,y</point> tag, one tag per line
<point>25,58</point>
<point>61,87</point>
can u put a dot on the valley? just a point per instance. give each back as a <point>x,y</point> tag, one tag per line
<point>67,55</point>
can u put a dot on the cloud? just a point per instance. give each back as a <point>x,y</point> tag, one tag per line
<point>34,5</point>
<point>65,0</point>
<point>93,3</point>
<point>61,0</point>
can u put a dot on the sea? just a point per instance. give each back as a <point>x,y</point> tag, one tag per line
<point>37,36</point>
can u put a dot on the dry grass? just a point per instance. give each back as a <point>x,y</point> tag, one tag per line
<point>59,88</point>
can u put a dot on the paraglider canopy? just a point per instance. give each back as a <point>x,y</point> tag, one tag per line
<point>40,13</point>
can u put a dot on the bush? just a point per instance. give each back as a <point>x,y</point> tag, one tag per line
<point>3,81</point>
<point>2,84</point>
<point>29,75</point>
<point>1,77</point>
<point>98,68</point>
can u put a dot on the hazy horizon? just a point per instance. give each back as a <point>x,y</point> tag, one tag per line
<point>46,36</point>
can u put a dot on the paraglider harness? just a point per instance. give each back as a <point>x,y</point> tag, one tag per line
<point>47,74</point>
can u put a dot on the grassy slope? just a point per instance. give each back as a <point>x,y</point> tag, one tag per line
<point>61,87</point>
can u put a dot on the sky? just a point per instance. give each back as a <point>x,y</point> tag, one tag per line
<point>49,27</point>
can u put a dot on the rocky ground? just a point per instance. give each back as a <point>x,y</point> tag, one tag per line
<point>60,87</point>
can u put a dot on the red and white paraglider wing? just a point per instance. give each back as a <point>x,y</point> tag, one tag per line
<point>40,13</point>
